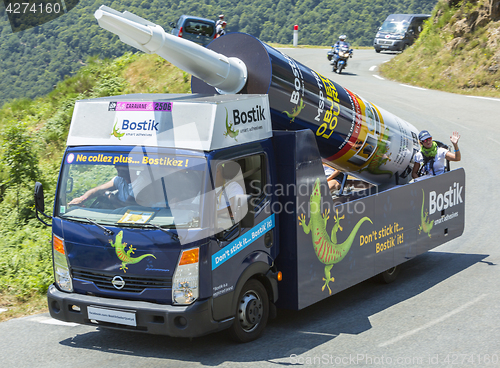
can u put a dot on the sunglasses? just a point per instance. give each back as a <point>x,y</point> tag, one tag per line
<point>426,140</point>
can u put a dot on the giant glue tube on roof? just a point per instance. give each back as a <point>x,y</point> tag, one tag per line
<point>352,134</point>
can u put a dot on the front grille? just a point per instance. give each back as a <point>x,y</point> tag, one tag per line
<point>133,284</point>
<point>385,42</point>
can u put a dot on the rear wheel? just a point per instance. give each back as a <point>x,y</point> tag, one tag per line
<point>252,312</point>
<point>389,275</point>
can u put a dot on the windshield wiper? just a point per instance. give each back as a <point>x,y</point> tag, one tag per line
<point>171,233</point>
<point>165,230</point>
<point>106,230</point>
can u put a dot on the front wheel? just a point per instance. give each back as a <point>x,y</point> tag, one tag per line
<point>252,312</point>
<point>340,68</point>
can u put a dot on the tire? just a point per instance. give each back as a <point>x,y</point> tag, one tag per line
<point>377,51</point>
<point>389,275</point>
<point>340,69</point>
<point>252,312</point>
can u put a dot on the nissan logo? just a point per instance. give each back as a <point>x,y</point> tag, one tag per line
<point>118,282</point>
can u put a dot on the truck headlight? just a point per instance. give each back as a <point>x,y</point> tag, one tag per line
<point>185,288</point>
<point>61,267</point>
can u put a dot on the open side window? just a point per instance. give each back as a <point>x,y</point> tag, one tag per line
<point>240,189</point>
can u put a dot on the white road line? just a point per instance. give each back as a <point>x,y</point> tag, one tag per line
<point>373,68</point>
<point>58,323</point>
<point>432,323</point>
<point>494,140</point>
<point>485,98</point>
<point>406,85</point>
<point>318,333</point>
<point>378,77</point>
<point>52,321</point>
<point>460,125</point>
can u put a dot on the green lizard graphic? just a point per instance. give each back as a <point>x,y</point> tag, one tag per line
<point>116,132</point>
<point>295,111</point>
<point>426,225</point>
<point>229,131</point>
<point>379,157</point>
<point>327,249</point>
<point>125,256</point>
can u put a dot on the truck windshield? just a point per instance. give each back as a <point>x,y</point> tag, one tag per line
<point>397,27</point>
<point>135,189</point>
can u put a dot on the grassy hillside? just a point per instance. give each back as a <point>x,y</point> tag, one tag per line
<point>33,134</point>
<point>458,51</point>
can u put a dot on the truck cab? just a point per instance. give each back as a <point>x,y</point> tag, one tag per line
<point>153,248</point>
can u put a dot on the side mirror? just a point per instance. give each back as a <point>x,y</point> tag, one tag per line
<point>40,203</point>
<point>39,199</point>
<point>172,24</point>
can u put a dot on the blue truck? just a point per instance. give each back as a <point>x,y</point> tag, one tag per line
<point>188,214</point>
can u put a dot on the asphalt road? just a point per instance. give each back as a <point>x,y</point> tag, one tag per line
<point>442,311</point>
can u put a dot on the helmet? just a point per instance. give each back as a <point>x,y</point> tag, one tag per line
<point>342,37</point>
<point>221,16</point>
<point>223,23</point>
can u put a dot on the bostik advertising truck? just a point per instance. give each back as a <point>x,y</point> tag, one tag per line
<point>188,214</point>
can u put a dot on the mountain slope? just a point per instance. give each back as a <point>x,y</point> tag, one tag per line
<point>458,51</point>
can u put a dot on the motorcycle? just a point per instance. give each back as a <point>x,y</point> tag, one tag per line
<point>338,55</point>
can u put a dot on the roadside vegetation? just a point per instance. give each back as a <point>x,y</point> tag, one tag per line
<point>458,51</point>
<point>33,139</point>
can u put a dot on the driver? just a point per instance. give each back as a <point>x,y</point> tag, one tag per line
<point>120,182</point>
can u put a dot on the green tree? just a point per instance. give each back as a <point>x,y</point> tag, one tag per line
<point>19,157</point>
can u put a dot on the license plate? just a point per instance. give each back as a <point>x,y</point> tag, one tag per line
<point>384,47</point>
<point>112,316</point>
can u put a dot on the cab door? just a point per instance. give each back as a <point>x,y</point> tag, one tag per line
<point>245,226</point>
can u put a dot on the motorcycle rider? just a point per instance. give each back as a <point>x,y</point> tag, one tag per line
<point>341,43</point>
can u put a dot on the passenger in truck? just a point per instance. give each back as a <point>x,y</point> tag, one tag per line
<point>334,177</point>
<point>431,159</point>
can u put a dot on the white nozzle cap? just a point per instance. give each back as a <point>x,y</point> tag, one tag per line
<point>227,75</point>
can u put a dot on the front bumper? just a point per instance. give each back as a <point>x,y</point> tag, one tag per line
<point>389,45</point>
<point>176,321</point>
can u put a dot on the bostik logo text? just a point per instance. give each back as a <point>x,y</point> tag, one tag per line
<point>143,125</point>
<point>250,116</point>
<point>442,201</point>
